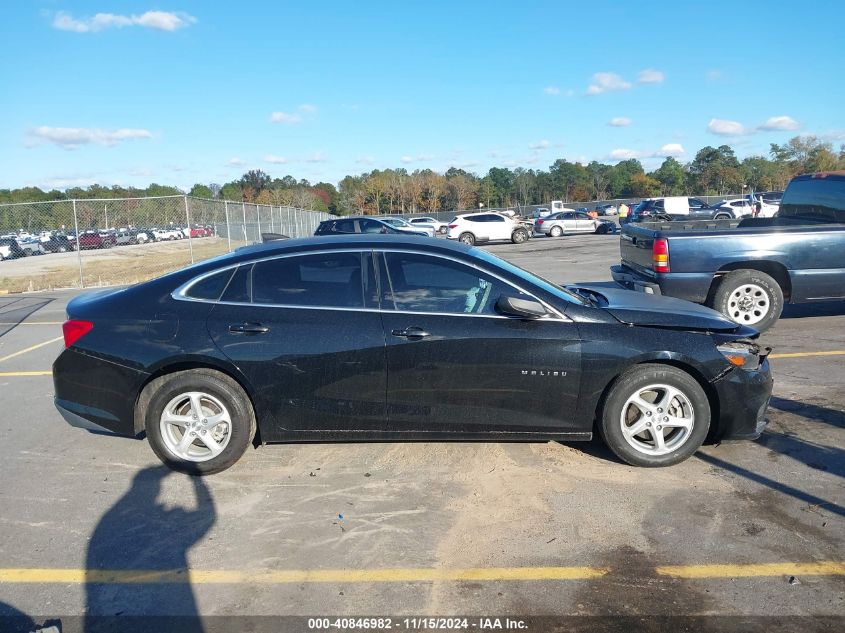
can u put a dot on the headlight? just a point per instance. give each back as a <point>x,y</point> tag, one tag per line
<point>744,354</point>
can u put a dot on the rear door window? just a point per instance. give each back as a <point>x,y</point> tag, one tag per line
<point>319,280</point>
<point>815,200</point>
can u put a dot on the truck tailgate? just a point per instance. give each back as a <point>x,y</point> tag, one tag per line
<point>635,244</point>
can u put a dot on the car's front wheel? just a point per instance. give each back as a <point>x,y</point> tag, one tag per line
<point>199,422</point>
<point>655,415</point>
<point>467,238</point>
<point>519,236</point>
<point>443,230</point>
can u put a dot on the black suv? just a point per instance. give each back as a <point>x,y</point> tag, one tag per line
<point>10,249</point>
<point>345,226</point>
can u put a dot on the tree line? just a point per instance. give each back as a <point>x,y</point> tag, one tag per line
<point>713,171</point>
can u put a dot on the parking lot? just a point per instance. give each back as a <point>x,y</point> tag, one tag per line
<point>94,523</point>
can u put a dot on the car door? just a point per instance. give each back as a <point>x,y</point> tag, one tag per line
<point>304,331</point>
<point>499,228</point>
<point>568,222</point>
<point>455,365</point>
<point>584,223</point>
<point>698,209</point>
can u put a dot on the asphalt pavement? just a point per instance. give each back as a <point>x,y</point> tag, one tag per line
<point>92,523</point>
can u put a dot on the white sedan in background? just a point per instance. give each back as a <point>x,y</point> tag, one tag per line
<point>400,224</point>
<point>437,225</point>
<point>558,224</point>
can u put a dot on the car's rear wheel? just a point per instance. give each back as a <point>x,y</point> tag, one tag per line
<point>655,415</point>
<point>467,238</point>
<point>519,236</point>
<point>749,297</point>
<point>556,231</point>
<point>199,421</point>
<point>722,216</point>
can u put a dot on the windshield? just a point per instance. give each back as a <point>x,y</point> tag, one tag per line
<point>533,278</point>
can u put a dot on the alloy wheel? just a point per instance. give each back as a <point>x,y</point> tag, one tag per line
<point>195,426</point>
<point>657,419</point>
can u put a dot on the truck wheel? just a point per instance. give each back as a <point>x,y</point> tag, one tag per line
<point>749,297</point>
<point>655,415</point>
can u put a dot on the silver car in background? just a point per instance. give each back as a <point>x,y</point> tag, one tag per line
<point>558,224</point>
<point>403,225</point>
<point>437,225</point>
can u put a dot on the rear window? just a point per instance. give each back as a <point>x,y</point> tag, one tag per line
<point>815,200</point>
<point>211,287</point>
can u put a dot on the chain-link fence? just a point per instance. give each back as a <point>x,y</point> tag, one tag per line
<point>103,242</point>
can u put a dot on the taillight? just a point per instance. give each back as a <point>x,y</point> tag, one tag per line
<point>453,226</point>
<point>540,221</point>
<point>75,330</point>
<point>660,256</point>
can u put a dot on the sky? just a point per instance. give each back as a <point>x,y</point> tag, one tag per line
<point>183,91</point>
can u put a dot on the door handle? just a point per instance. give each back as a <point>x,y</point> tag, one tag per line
<point>411,332</point>
<point>248,328</point>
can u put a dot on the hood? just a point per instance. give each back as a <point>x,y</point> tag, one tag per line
<point>639,308</point>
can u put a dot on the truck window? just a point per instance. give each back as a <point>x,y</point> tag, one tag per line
<point>815,200</point>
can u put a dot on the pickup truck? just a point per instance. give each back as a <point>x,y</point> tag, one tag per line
<point>747,269</point>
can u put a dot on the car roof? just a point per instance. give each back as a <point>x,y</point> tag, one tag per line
<point>351,240</point>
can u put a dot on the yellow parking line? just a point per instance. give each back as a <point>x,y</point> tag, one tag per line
<point>837,352</point>
<point>493,574</point>
<point>268,576</point>
<point>33,348</point>
<point>15,374</point>
<point>35,323</point>
<point>824,568</point>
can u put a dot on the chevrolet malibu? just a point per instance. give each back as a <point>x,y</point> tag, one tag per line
<point>362,338</point>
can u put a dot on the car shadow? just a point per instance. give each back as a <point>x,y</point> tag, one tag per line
<point>137,560</point>
<point>815,309</point>
<point>16,310</point>
<point>812,412</point>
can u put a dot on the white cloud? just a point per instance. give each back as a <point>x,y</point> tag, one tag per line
<point>551,90</point>
<point>624,154</point>
<point>317,157</point>
<point>141,172</point>
<point>160,20</point>
<point>73,137</point>
<point>713,75</point>
<point>284,117</point>
<point>308,107</point>
<point>650,76</point>
<point>236,162</point>
<point>66,182</point>
<point>671,149</point>
<point>723,127</point>
<point>365,160</point>
<point>620,121</point>
<point>421,158</point>
<point>544,144</point>
<point>607,82</point>
<point>276,160</point>
<point>779,123</point>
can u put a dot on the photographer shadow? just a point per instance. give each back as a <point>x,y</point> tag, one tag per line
<point>137,560</point>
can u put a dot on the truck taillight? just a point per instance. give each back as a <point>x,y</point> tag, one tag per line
<point>75,330</point>
<point>660,256</point>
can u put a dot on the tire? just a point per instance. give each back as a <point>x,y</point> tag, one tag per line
<point>519,236</point>
<point>722,216</point>
<point>749,297</point>
<point>556,231</point>
<point>601,229</point>
<point>687,416</point>
<point>467,238</point>
<point>443,230</point>
<point>176,395</point>
<point>62,249</point>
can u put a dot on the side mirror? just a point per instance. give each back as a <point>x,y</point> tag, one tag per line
<point>523,308</point>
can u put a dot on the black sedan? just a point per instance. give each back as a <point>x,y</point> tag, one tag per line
<point>394,338</point>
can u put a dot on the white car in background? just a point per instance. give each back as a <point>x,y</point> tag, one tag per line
<point>401,224</point>
<point>487,227</point>
<point>744,208</point>
<point>437,225</point>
